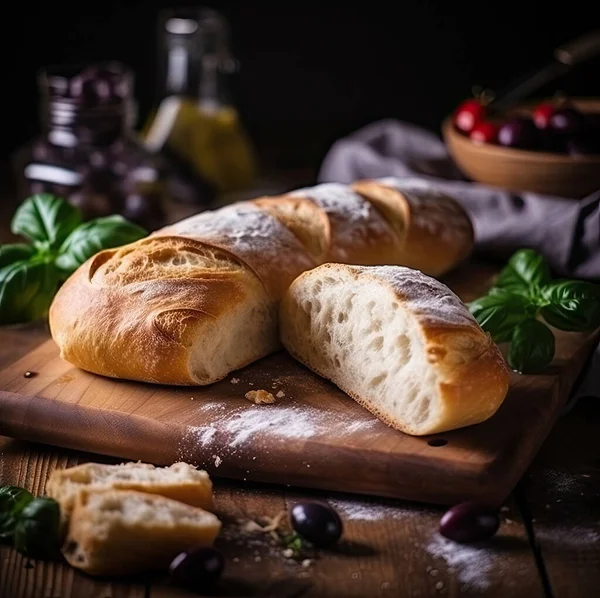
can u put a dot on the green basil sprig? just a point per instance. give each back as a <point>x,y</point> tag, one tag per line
<point>59,242</point>
<point>31,524</point>
<point>37,531</point>
<point>524,294</point>
<point>12,501</point>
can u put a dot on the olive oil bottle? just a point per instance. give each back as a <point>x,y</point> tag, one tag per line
<point>195,122</point>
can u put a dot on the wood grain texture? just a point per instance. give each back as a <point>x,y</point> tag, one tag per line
<point>314,436</point>
<point>562,490</point>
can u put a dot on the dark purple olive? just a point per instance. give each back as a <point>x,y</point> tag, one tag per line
<point>469,522</point>
<point>519,132</point>
<point>566,122</point>
<point>317,523</point>
<point>197,568</point>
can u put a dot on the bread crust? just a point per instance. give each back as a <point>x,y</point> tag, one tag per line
<point>358,232</point>
<point>254,237</point>
<point>436,231</point>
<point>473,378</point>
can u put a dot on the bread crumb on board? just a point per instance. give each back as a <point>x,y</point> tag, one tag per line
<point>235,380</point>
<point>280,394</point>
<point>259,397</point>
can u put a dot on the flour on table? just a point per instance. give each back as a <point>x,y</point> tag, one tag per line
<point>354,510</point>
<point>572,536</point>
<point>562,481</point>
<point>470,564</point>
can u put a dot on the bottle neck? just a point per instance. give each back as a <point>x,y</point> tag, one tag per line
<point>195,60</point>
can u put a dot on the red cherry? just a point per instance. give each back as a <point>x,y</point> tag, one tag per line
<point>468,114</point>
<point>542,115</point>
<point>484,132</point>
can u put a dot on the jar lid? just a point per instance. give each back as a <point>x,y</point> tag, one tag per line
<point>88,86</point>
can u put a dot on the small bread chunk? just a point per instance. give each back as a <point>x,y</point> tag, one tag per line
<point>180,481</point>
<point>401,343</point>
<point>258,397</point>
<point>123,532</point>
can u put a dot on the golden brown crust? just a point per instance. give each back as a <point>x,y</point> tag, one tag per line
<point>358,232</point>
<point>254,237</point>
<point>436,231</point>
<point>308,222</point>
<point>140,328</point>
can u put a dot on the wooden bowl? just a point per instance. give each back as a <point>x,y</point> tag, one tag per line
<point>524,170</point>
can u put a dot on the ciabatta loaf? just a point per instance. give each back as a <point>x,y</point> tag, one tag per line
<point>180,481</point>
<point>123,532</point>
<point>399,342</point>
<point>198,299</point>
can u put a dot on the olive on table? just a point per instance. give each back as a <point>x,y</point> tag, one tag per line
<point>317,523</point>
<point>469,522</point>
<point>197,568</point>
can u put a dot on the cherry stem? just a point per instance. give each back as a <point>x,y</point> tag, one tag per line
<point>485,96</point>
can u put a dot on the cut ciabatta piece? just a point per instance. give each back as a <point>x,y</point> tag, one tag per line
<point>399,342</point>
<point>168,310</point>
<point>123,532</point>
<point>180,481</point>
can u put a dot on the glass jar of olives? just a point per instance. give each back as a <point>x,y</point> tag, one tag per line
<point>87,151</point>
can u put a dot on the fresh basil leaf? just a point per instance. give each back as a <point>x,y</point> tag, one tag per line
<point>12,501</point>
<point>26,290</point>
<point>532,347</point>
<point>93,236</point>
<point>526,272</point>
<point>573,305</point>
<point>46,220</point>
<point>14,253</point>
<point>500,311</point>
<point>37,530</point>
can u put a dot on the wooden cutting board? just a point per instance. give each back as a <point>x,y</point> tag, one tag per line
<point>313,436</point>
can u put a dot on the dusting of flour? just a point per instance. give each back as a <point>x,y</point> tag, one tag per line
<point>365,510</point>
<point>470,564</point>
<point>225,430</point>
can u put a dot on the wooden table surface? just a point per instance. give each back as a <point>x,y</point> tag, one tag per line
<point>548,544</point>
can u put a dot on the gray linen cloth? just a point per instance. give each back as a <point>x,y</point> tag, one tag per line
<point>565,231</point>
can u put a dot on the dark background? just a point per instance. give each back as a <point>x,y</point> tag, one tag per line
<point>309,72</point>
